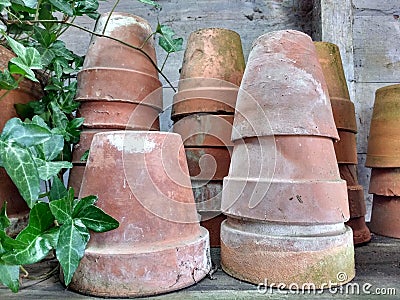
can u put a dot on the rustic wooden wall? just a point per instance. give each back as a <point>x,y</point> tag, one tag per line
<point>365,30</point>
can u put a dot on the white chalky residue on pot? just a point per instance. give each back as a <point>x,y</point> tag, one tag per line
<point>116,22</point>
<point>132,144</point>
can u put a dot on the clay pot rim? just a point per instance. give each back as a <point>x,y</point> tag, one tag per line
<point>277,31</point>
<point>214,29</point>
<point>117,100</point>
<point>125,14</point>
<point>139,132</point>
<point>388,87</point>
<point>112,69</point>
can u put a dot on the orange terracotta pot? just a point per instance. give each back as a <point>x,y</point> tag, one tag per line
<point>299,183</point>
<point>384,135</point>
<point>142,180</point>
<point>208,163</point>
<point>17,209</point>
<point>110,65</point>
<point>119,115</point>
<point>346,148</point>
<point>385,216</point>
<point>385,181</point>
<point>283,86</point>
<point>332,67</point>
<point>205,130</point>
<point>211,73</point>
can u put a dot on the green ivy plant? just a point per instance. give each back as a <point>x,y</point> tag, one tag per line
<point>36,147</point>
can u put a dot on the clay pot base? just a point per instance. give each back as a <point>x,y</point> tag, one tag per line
<point>136,272</point>
<point>385,217</point>
<point>361,233</point>
<point>254,255</point>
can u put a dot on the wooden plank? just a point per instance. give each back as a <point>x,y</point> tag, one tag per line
<point>375,8</point>
<point>376,49</point>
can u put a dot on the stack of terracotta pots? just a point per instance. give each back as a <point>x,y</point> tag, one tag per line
<point>118,86</point>
<point>203,111</point>
<point>17,209</point>
<point>345,149</point>
<point>284,199</point>
<point>142,180</point>
<point>384,158</point>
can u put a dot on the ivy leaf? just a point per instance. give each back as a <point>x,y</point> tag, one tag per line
<point>44,36</point>
<point>62,209</point>
<point>57,190</point>
<point>4,221</point>
<point>9,276</point>
<point>7,82</point>
<point>21,168</point>
<point>49,169</point>
<point>83,203</point>
<point>25,134</point>
<point>167,40</point>
<point>63,6</point>
<point>40,220</point>
<point>96,219</point>
<point>70,248</point>
<point>5,3</point>
<point>17,47</point>
<point>85,156</point>
<point>59,118</point>
<point>150,2</point>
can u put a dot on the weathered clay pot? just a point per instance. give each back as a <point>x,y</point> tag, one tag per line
<point>283,84</point>
<point>303,190</point>
<point>119,115</point>
<point>208,163</point>
<point>384,135</point>
<point>346,148</point>
<point>17,209</point>
<point>205,130</point>
<point>207,195</point>
<point>385,216</point>
<point>331,64</point>
<point>76,176</point>
<point>110,65</point>
<point>142,180</point>
<point>211,72</point>
<point>385,181</point>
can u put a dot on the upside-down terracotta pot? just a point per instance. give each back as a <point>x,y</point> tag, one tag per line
<point>110,65</point>
<point>287,61</point>
<point>384,135</point>
<point>211,72</point>
<point>385,216</point>
<point>142,180</point>
<point>346,148</point>
<point>284,200</point>
<point>385,181</point>
<point>332,67</point>
<point>355,192</point>
<point>17,209</point>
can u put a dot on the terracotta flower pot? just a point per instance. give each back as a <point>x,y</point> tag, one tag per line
<point>346,148</point>
<point>110,65</point>
<point>208,163</point>
<point>284,200</point>
<point>385,181</point>
<point>384,135</point>
<point>205,130</point>
<point>296,100</point>
<point>142,180</point>
<point>385,216</point>
<point>119,115</point>
<point>332,67</point>
<point>213,225</point>
<point>17,209</point>
<point>211,72</point>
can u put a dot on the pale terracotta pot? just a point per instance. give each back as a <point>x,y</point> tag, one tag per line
<point>211,73</point>
<point>385,216</point>
<point>384,135</point>
<point>17,209</point>
<point>332,67</point>
<point>142,180</point>
<point>346,148</point>
<point>385,181</point>
<point>205,130</point>
<point>119,115</point>
<point>283,85</point>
